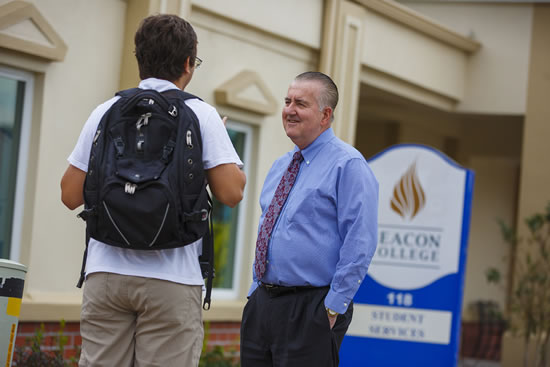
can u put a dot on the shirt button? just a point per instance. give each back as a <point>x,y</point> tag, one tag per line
<point>345,305</point>
<point>359,281</point>
<point>307,162</point>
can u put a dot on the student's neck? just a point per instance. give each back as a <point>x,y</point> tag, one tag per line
<point>182,81</point>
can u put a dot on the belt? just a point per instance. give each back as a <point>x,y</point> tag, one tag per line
<point>277,290</point>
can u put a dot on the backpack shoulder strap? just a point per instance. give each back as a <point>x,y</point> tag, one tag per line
<point>174,93</point>
<point>127,93</point>
<point>178,93</point>
<point>206,259</point>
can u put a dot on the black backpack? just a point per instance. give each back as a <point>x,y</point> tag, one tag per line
<point>145,188</point>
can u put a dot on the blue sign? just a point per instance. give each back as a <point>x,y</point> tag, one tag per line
<point>407,312</point>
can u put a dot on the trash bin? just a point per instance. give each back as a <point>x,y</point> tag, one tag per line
<point>12,280</point>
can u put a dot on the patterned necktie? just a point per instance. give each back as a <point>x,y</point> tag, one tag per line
<point>285,185</point>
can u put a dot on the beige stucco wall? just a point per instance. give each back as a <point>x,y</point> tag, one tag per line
<point>496,75</point>
<point>53,237</point>
<point>299,21</point>
<point>413,58</point>
<point>495,191</point>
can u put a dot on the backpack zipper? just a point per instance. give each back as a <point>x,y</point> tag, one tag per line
<point>97,133</point>
<point>161,225</point>
<point>114,224</point>
<point>143,121</point>
<point>189,140</point>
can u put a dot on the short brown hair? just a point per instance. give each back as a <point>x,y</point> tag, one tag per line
<point>163,43</point>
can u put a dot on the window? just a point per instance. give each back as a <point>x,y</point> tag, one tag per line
<point>229,223</point>
<point>15,110</point>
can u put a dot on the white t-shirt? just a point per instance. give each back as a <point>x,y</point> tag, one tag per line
<point>178,265</point>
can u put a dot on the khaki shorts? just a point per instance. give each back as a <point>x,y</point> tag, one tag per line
<point>131,321</point>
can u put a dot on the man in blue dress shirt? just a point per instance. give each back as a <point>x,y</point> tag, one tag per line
<point>321,243</point>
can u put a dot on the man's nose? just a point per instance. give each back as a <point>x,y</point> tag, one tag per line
<point>289,109</point>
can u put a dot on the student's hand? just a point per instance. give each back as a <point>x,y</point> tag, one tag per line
<point>332,320</point>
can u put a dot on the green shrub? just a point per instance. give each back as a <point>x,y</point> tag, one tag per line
<point>216,357</point>
<point>529,306</point>
<point>33,353</point>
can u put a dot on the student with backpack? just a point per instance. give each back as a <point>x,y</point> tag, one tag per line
<point>140,166</point>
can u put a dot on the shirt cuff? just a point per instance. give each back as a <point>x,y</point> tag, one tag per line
<point>337,302</point>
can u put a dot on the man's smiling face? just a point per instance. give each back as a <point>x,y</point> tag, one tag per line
<point>303,120</point>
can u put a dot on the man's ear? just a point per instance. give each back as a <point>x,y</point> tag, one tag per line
<point>187,66</point>
<point>327,116</point>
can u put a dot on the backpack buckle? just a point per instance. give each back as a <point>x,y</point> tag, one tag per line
<point>143,121</point>
<point>173,111</point>
<point>86,213</point>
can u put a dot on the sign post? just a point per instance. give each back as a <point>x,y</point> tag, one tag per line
<point>407,312</point>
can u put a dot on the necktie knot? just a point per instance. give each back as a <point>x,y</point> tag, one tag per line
<point>298,156</point>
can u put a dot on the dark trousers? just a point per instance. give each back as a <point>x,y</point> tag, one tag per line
<point>287,329</point>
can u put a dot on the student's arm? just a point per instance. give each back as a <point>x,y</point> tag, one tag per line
<point>72,186</point>
<point>227,183</point>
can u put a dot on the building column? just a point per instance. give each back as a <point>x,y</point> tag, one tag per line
<point>341,59</point>
<point>534,192</point>
<point>535,176</point>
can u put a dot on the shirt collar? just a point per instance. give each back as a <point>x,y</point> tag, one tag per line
<point>160,85</point>
<point>315,147</point>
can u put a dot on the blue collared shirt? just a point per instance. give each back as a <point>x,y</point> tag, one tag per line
<point>326,233</point>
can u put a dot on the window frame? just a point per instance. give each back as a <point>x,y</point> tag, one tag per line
<point>233,292</point>
<point>22,157</point>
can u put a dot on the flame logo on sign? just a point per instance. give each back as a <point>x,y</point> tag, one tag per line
<point>408,196</point>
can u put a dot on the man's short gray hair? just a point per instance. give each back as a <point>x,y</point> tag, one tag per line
<point>328,96</point>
